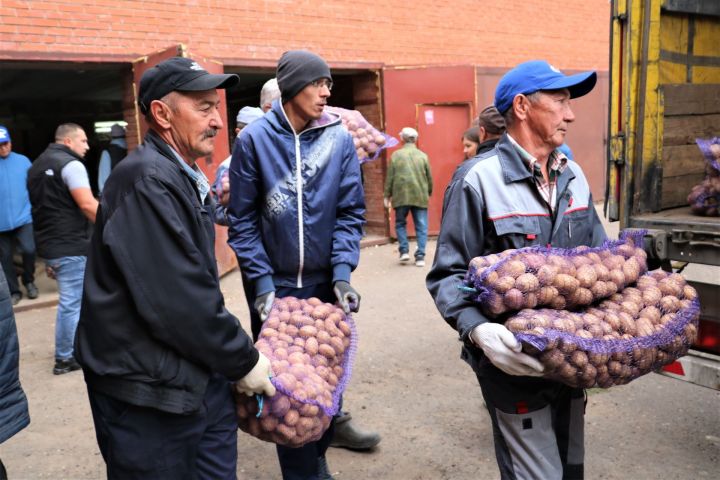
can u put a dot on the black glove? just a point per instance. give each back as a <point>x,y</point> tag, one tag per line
<point>263,304</point>
<point>347,296</point>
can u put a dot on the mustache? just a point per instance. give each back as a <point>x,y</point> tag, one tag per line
<point>210,133</point>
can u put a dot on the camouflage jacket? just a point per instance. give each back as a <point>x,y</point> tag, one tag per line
<point>408,180</point>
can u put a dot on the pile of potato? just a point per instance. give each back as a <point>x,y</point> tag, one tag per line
<point>555,278</point>
<point>704,198</point>
<point>368,140</point>
<point>623,337</point>
<point>310,345</point>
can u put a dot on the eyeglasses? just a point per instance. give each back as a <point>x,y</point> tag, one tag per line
<point>322,82</point>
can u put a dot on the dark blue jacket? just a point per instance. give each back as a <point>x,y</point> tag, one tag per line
<point>296,202</point>
<point>14,414</point>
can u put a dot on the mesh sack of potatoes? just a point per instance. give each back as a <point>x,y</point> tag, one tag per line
<point>555,278</point>
<point>368,140</point>
<point>704,198</point>
<point>311,346</point>
<point>621,338</point>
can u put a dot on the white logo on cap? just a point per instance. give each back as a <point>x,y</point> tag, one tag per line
<point>555,69</point>
<point>49,172</point>
<point>195,66</point>
<point>3,134</point>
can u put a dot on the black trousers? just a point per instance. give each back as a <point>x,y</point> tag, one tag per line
<point>141,442</point>
<point>296,463</point>
<point>23,236</point>
<point>537,426</point>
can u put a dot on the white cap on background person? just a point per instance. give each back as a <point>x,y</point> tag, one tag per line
<point>409,133</point>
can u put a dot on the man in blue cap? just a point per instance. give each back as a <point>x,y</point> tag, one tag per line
<point>15,218</point>
<point>524,192</point>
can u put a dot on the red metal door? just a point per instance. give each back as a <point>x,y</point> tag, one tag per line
<point>440,129</point>
<point>439,102</point>
<point>226,260</point>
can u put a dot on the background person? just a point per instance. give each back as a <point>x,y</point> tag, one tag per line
<point>491,126</point>
<point>269,93</point>
<point>470,142</point>
<point>513,196</point>
<point>155,340</point>
<point>63,211</point>
<point>15,219</point>
<point>221,185</point>
<point>111,156</point>
<point>296,214</point>
<point>408,186</point>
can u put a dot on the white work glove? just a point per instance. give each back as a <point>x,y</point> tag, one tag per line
<point>257,381</point>
<point>263,304</point>
<point>504,351</point>
<point>387,202</point>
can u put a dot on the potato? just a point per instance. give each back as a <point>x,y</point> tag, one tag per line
<point>546,274</point>
<point>566,284</point>
<point>552,358</point>
<point>579,358</point>
<point>514,299</point>
<point>513,268</point>
<point>586,275</point>
<point>546,294</point>
<point>503,284</point>
<point>527,282</point>
<point>326,351</point>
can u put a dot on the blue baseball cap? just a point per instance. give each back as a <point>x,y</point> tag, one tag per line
<point>4,135</point>
<point>530,77</point>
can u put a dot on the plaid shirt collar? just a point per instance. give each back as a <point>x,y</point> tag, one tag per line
<point>201,182</point>
<point>557,162</point>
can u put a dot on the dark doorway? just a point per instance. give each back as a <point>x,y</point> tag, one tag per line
<point>36,97</point>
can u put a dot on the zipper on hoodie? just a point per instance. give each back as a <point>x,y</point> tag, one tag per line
<point>298,189</point>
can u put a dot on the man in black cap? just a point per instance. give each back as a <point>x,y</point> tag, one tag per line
<point>523,192</point>
<point>296,214</point>
<point>156,344</point>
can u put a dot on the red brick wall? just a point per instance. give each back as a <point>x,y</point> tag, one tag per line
<point>479,32</point>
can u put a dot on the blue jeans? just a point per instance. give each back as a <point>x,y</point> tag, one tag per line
<point>23,236</point>
<point>69,273</point>
<point>419,216</point>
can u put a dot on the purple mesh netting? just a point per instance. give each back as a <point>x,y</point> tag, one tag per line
<point>390,142</point>
<point>369,141</point>
<point>628,335</point>
<point>311,346</point>
<point>347,364</point>
<point>594,345</point>
<point>484,271</point>
<point>705,145</point>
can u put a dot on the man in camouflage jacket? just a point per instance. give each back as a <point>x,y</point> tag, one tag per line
<point>407,187</point>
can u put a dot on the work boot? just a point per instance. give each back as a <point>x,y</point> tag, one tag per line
<point>32,290</point>
<point>16,297</point>
<point>346,435</point>
<point>323,470</point>
<point>65,366</point>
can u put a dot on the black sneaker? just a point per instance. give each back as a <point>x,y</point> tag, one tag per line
<point>16,297</point>
<point>65,366</point>
<point>32,290</point>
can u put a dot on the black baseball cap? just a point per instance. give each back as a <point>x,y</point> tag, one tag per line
<point>179,74</point>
